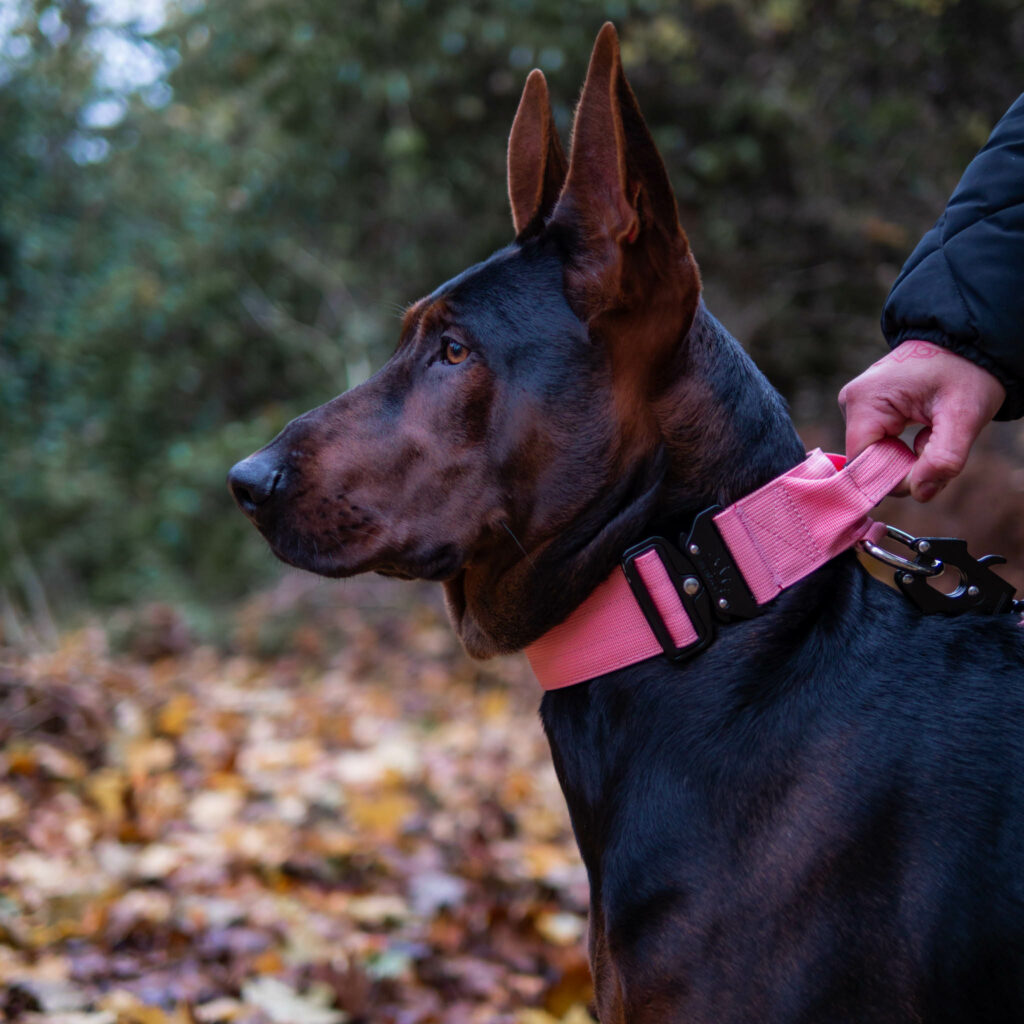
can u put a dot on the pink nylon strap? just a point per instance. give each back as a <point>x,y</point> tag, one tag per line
<point>777,535</point>
<point>800,520</point>
<point>609,631</point>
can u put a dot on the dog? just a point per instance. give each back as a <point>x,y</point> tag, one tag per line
<point>817,818</point>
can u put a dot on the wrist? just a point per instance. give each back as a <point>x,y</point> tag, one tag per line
<point>962,365</point>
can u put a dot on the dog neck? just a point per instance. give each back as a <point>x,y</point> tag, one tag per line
<point>721,432</point>
<point>726,430</point>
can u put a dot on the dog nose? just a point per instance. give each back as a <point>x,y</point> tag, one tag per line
<point>253,480</point>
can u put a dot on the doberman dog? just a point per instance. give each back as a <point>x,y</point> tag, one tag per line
<point>819,818</point>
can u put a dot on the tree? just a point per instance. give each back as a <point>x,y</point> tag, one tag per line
<point>179,281</point>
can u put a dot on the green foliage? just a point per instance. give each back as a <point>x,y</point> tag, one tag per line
<point>238,246</point>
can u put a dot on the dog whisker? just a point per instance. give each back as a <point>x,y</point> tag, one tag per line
<point>526,554</point>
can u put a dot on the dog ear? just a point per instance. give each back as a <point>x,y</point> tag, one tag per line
<point>536,162</point>
<point>618,201</point>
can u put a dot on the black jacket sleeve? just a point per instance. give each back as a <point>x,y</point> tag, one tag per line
<point>963,286</point>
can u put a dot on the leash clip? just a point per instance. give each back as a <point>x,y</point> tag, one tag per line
<point>921,566</point>
<point>978,589</point>
<point>693,595</point>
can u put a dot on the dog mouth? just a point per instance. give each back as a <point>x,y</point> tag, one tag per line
<point>436,563</point>
<point>437,567</point>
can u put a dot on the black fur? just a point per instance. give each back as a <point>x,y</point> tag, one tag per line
<point>820,818</point>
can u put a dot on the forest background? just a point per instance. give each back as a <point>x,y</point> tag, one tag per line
<point>211,215</point>
<point>232,793</point>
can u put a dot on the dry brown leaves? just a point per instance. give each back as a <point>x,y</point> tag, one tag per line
<point>343,820</point>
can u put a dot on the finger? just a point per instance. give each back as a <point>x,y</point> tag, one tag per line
<point>926,490</point>
<point>921,440</point>
<point>943,450</point>
<point>867,423</point>
<point>902,489</point>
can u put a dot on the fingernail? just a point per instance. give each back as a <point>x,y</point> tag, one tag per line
<point>926,491</point>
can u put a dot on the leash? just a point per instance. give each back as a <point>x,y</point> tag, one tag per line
<point>666,599</point>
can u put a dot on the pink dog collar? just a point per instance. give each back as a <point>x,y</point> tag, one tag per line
<point>771,539</point>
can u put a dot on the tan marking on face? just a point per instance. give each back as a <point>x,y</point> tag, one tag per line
<point>424,316</point>
<point>411,316</point>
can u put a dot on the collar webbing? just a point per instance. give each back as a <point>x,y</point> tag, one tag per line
<point>663,600</point>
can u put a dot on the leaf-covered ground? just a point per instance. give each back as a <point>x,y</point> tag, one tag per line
<point>342,819</point>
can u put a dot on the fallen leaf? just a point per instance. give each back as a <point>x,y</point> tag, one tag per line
<point>431,891</point>
<point>145,756</point>
<point>158,860</point>
<point>173,718</point>
<point>101,1017</point>
<point>218,1011</point>
<point>212,810</point>
<point>562,929</point>
<point>377,910</point>
<point>283,1005</point>
<point>382,814</point>
<point>56,995</point>
<point>107,788</point>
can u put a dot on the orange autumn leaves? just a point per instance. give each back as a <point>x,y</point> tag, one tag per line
<point>337,819</point>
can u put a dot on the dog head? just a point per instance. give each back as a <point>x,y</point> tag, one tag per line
<point>514,421</point>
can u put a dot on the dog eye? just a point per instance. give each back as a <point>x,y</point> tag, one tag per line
<point>454,351</point>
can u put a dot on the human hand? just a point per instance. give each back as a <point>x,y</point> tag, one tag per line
<point>919,382</point>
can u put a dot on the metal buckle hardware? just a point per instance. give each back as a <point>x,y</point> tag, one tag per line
<point>688,585</point>
<point>730,596</point>
<point>978,589</point>
<point>921,566</point>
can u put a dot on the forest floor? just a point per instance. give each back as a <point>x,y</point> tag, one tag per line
<point>336,817</point>
<point>332,816</point>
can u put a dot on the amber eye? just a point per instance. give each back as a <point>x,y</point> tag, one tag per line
<point>454,351</point>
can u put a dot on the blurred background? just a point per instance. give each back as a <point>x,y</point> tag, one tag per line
<point>230,792</point>
<point>211,214</point>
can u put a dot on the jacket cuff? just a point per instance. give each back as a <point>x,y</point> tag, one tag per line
<point>1013,407</point>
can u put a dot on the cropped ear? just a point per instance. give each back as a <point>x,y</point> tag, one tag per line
<point>536,162</point>
<point>617,200</point>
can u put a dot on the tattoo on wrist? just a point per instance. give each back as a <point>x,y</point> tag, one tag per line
<point>912,350</point>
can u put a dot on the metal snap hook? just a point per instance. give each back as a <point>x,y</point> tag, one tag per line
<point>920,567</point>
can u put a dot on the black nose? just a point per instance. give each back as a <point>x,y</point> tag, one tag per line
<point>253,480</point>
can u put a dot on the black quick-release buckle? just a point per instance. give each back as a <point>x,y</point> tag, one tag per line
<point>730,596</point>
<point>693,595</point>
